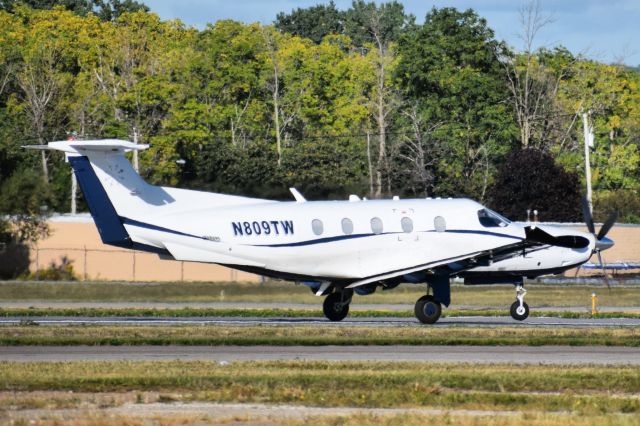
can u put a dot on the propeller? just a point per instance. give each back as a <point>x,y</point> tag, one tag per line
<point>602,242</point>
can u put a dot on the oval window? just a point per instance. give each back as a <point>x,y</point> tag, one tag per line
<point>376,225</point>
<point>317,226</point>
<point>407,224</point>
<point>439,224</point>
<point>347,226</point>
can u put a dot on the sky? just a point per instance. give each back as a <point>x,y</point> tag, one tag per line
<point>605,30</point>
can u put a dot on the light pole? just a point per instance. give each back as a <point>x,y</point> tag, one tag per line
<point>588,143</point>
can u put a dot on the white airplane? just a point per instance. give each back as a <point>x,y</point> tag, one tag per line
<point>334,247</point>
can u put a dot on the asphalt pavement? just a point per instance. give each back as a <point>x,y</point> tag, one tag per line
<point>467,321</point>
<point>552,355</point>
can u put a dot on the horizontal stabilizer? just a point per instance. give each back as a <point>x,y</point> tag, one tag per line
<point>81,147</point>
<point>192,254</point>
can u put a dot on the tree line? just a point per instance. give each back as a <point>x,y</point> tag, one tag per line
<point>333,102</point>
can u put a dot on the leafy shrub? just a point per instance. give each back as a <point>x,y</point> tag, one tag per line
<point>625,202</point>
<point>55,272</point>
<point>530,179</point>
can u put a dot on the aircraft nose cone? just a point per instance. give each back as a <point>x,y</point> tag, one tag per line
<point>604,243</point>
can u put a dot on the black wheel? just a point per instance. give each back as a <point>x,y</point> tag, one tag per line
<point>519,313</point>
<point>335,308</point>
<point>427,310</point>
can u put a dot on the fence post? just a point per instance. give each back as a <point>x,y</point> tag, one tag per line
<point>37,262</point>
<point>134,265</point>
<point>84,271</point>
<point>181,270</point>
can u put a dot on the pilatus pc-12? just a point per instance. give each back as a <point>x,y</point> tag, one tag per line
<point>335,247</point>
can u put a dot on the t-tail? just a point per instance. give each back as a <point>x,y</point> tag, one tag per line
<point>120,201</point>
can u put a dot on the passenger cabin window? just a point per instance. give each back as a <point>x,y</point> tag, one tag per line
<point>491,219</point>
<point>317,226</point>
<point>376,225</point>
<point>439,224</point>
<point>347,226</point>
<point>407,224</point>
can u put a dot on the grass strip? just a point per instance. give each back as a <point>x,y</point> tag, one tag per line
<point>137,418</point>
<point>278,313</point>
<point>595,390</point>
<point>470,419</point>
<point>290,335</point>
<point>283,292</point>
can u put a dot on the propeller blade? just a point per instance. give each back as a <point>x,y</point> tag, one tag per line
<point>607,225</point>
<point>586,213</point>
<point>604,271</point>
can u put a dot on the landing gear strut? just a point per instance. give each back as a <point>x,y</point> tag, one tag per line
<point>519,309</point>
<point>336,304</point>
<point>427,309</point>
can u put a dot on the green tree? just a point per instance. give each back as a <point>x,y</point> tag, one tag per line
<point>314,22</point>
<point>450,73</point>
<point>372,24</point>
<point>108,10</point>
<point>23,197</point>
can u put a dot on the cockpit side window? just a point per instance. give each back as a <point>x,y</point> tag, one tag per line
<point>491,219</point>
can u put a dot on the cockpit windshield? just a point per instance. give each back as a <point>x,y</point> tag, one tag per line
<point>491,219</point>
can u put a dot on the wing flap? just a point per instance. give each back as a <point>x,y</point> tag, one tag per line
<point>455,264</point>
<point>405,271</point>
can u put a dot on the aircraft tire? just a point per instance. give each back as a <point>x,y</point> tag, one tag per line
<point>428,310</point>
<point>334,308</point>
<point>519,314</point>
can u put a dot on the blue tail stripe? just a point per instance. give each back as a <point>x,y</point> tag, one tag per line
<point>104,215</point>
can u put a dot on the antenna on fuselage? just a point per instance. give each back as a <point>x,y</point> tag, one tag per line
<point>297,195</point>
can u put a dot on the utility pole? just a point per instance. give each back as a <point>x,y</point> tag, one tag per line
<point>588,143</point>
<point>71,136</point>
<point>74,192</point>
<point>135,151</point>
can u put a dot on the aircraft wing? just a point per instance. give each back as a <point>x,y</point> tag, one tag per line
<point>452,265</point>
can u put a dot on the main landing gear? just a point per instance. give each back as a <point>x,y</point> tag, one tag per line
<point>428,310</point>
<point>336,304</point>
<point>519,309</point>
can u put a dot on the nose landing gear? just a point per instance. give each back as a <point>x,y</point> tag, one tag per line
<point>336,304</point>
<point>519,309</point>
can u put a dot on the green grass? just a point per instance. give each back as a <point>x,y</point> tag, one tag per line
<point>595,390</point>
<point>468,419</point>
<point>498,296</point>
<point>279,313</point>
<point>314,336</point>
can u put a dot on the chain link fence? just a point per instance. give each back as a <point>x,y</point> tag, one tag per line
<point>108,264</point>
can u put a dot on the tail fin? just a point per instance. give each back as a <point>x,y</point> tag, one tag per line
<point>110,185</point>
<point>120,200</point>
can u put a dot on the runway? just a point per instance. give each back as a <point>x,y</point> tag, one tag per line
<point>46,304</point>
<point>552,355</point>
<point>469,321</point>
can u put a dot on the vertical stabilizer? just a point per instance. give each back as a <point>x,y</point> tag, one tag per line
<point>104,214</point>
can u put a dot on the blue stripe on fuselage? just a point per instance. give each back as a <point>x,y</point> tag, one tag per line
<point>139,224</point>
<point>320,240</point>
<point>347,237</point>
